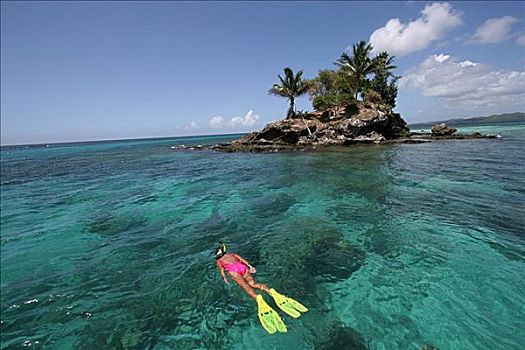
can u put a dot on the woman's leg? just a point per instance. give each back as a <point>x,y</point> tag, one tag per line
<point>253,284</point>
<point>243,284</point>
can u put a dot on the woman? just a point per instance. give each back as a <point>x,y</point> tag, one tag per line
<point>240,271</point>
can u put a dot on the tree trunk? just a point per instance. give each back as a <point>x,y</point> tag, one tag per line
<point>291,111</point>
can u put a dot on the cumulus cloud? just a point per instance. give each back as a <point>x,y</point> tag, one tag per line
<point>521,40</point>
<point>494,30</point>
<point>400,39</point>
<point>441,58</point>
<point>465,84</point>
<point>216,122</point>
<point>250,119</point>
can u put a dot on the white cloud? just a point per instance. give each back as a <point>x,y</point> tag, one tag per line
<point>465,84</point>
<point>401,39</point>
<point>216,122</point>
<point>494,30</point>
<point>248,120</point>
<point>521,40</point>
<point>192,125</point>
<point>467,63</point>
<point>441,58</point>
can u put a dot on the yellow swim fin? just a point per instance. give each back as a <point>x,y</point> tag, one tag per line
<point>288,305</point>
<point>270,319</point>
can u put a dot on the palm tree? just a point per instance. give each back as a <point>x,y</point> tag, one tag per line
<point>383,64</point>
<point>292,86</point>
<point>359,65</point>
<point>387,88</point>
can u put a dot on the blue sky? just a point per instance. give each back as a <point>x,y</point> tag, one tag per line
<point>107,70</point>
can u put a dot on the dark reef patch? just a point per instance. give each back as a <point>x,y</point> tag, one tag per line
<point>342,337</point>
<point>333,258</point>
<point>110,225</point>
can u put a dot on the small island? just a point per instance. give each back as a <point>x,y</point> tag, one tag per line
<point>359,123</point>
<point>353,104</point>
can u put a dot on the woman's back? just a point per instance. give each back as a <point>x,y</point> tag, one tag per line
<point>229,258</point>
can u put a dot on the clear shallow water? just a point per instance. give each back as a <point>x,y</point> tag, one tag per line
<point>110,245</point>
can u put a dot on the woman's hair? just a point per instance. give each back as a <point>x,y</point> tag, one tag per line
<point>220,251</point>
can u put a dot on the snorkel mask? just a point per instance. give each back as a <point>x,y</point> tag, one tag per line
<point>220,251</point>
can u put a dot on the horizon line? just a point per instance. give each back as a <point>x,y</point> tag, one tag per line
<point>36,144</point>
<point>115,140</point>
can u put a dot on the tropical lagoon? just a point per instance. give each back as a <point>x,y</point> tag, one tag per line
<point>320,171</point>
<point>110,244</point>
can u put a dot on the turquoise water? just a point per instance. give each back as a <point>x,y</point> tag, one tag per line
<point>110,245</point>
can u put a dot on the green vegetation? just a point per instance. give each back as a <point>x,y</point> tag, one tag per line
<point>358,66</point>
<point>384,82</point>
<point>357,75</point>
<point>291,87</point>
<point>332,89</point>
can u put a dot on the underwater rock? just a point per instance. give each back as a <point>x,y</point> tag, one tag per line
<point>333,258</point>
<point>429,347</point>
<point>272,204</point>
<point>342,337</point>
<point>109,225</point>
<point>335,261</point>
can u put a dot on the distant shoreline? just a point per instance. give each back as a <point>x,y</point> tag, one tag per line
<point>492,119</point>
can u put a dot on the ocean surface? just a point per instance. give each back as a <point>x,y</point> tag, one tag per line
<point>109,245</point>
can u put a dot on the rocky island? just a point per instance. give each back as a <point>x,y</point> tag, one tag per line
<point>443,132</point>
<point>352,105</point>
<point>365,123</point>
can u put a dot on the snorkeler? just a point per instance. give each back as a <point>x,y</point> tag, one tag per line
<point>240,271</point>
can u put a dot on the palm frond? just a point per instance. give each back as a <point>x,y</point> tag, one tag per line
<point>292,85</point>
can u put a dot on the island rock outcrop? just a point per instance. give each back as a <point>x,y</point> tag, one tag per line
<point>442,130</point>
<point>360,123</point>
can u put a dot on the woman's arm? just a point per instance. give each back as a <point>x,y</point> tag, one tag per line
<point>223,274</point>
